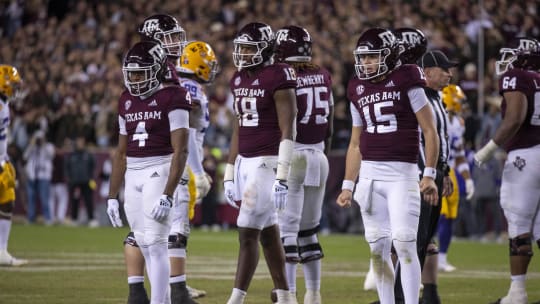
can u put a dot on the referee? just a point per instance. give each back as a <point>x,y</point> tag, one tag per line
<point>437,70</point>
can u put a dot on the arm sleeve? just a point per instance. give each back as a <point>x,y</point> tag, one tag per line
<point>195,158</point>
<point>122,125</point>
<point>178,119</point>
<point>418,98</point>
<point>356,120</point>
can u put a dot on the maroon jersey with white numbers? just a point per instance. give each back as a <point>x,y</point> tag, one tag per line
<point>313,92</point>
<point>528,83</point>
<point>389,125</point>
<point>255,108</point>
<point>147,121</point>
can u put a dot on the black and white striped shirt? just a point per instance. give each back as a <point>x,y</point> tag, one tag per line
<point>441,121</point>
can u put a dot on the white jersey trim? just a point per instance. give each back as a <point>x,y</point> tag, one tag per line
<point>178,119</point>
<point>418,98</point>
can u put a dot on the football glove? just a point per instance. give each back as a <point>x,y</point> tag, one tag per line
<point>114,213</point>
<point>161,210</point>
<point>279,192</point>
<point>469,188</point>
<point>228,189</point>
<point>485,153</point>
<point>203,184</point>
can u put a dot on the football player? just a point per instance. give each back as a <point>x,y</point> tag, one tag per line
<point>388,104</point>
<point>165,30</point>
<point>453,96</point>
<point>519,135</point>
<point>10,81</point>
<point>151,155</point>
<point>260,154</point>
<point>299,221</point>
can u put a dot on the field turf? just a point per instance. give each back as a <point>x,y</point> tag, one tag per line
<point>82,265</point>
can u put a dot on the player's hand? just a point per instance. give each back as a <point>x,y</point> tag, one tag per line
<point>448,186</point>
<point>162,209</point>
<point>228,189</point>
<point>279,194</point>
<point>344,199</point>
<point>203,183</point>
<point>485,153</point>
<point>429,190</point>
<point>114,213</point>
<point>469,188</point>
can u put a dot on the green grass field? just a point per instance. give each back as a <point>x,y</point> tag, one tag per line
<point>82,265</point>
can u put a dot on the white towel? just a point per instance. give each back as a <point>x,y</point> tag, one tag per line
<point>313,168</point>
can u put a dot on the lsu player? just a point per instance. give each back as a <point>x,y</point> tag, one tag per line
<point>151,155</point>
<point>198,65</point>
<point>10,80</point>
<point>299,222</point>
<point>388,104</point>
<point>453,97</point>
<point>519,135</point>
<point>261,149</point>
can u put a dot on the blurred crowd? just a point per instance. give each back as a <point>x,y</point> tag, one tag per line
<point>69,54</point>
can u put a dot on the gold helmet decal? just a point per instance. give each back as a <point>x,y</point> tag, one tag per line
<point>453,96</point>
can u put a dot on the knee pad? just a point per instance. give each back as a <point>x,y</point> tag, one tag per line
<point>178,241</point>
<point>521,246</point>
<point>291,250</point>
<point>177,245</point>
<point>309,247</point>
<point>130,240</point>
<point>404,235</point>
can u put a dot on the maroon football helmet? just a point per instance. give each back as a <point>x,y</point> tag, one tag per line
<point>520,52</point>
<point>293,44</point>
<point>412,44</point>
<point>253,45</point>
<point>144,68</point>
<point>375,42</point>
<point>165,30</point>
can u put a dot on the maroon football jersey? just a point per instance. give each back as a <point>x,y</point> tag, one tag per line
<point>170,74</point>
<point>313,91</point>
<point>527,82</point>
<point>147,121</point>
<point>255,108</point>
<point>389,125</point>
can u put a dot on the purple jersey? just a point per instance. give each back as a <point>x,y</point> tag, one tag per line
<point>389,125</point>
<point>313,93</point>
<point>147,121</point>
<point>255,108</point>
<point>528,83</point>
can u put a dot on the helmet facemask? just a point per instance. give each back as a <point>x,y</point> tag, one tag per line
<point>149,76</point>
<point>172,41</point>
<point>243,59</point>
<point>380,66</point>
<point>505,63</point>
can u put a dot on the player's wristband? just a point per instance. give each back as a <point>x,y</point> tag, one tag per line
<point>286,148</point>
<point>229,172</point>
<point>347,185</point>
<point>430,172</point>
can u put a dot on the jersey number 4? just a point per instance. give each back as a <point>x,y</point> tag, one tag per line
<point>140,133</point>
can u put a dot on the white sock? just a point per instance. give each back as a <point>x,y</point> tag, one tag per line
<point>177,279</point>
<point>5,228</point>
<point>159,272</point>
<point>135,279</point>
<point>290,272</point>
<point>312,274</point>
<point>237,296</point>
<point>518,282</point>
<point>283,296</point>
<point>442,259</point>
